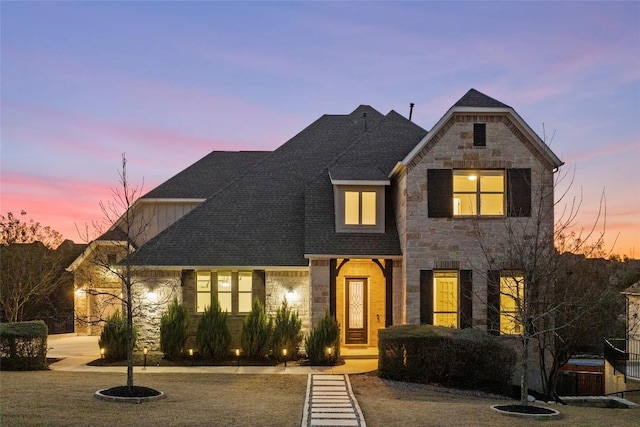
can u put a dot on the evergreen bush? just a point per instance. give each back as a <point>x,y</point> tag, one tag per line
<point>325,335</point>
<point>287,333</point>
<point>113,338</point>
<point>213,336</point>
<point>174,329</point>
<point>256,332</point>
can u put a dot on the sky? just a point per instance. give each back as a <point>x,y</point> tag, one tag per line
<point>168,82</point>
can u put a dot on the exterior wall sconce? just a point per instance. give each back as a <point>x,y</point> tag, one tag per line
<point>80,292</point>
<point>291,295</point>
<point>152,296</point>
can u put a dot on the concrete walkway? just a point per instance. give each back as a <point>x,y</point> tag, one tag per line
<point>77,351</point>
<point>330,402</point>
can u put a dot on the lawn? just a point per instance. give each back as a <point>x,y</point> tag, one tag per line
<point>66,398</point>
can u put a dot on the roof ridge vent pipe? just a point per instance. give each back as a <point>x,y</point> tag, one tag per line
<point>411,104</point>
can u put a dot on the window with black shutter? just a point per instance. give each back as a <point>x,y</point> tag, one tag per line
<point>426,297</point>
<point>493,302</point>
<point>479,135</point>
<point>519,192</point>
<point>440,193</point>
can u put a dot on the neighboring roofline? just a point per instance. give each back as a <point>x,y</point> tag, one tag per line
<point>358,182</point>
<point>554,160</point>
<point>92,246</point>
<point>343,256</point>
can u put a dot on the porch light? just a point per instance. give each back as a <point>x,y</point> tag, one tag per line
<point>291,295</point>
<point>80,292</point>
<point>152,296</point>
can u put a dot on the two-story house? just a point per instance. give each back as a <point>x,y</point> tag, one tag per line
<point>365,215</point>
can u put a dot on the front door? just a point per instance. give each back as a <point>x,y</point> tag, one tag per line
<point>356,311</point>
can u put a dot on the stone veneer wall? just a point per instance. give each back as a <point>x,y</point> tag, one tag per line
<point>429,242</point>
<point>319,285</point>
<point>278,284</point>
<point>166,286</point>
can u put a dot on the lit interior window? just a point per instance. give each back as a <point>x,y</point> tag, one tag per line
<point>224,291</point>
<point>478,193</point>
<point>203,288</point>
<point>351,207</point>
<point>445,299</point>
<point>368,208</point>
<point>245,285</point>
<point>511,292</point>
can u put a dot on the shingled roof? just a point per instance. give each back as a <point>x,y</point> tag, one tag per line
<point>474,98</point>
<point>259,219</point>
<point>206,176</point>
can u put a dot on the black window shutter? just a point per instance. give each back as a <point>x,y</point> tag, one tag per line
<point>519,192</point>
<point>426,297</point>
<point>440,193</point>
<point>493,302</point>
<point>479,134</point>
<point>466,299</point>
<point>258,287</point>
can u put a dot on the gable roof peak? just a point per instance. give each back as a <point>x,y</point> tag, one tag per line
<point>474,98</point>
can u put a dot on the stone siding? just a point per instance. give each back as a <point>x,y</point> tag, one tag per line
<point>428,242</point>
<point>292,286</point>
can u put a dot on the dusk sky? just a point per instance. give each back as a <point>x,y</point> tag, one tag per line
<point>168,82</point>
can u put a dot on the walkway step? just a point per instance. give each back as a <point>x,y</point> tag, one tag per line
<point>330,402</point>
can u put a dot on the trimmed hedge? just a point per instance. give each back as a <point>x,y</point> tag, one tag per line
<point>464,358</point>
<point>23,346</point>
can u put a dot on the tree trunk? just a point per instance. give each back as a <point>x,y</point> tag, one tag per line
<point>524,378</point>
<point>129,329</point>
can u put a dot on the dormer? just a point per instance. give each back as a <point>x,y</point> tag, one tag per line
<point>358,195</point>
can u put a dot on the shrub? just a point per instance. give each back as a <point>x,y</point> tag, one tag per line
<point>174,328</point>
<point>325,335</point>
<point>465,358</point>
<point>213,336</point>
<point>256,332</point>
<point>23,346</point>
<point>287,333</point>
<point>113,338</point>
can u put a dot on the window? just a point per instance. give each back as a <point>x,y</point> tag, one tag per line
<point>478,193</point>
<point>479,134</point>
<point>505,291</point>
<point>445,298</point>
<point>234,291</point>
<point>224,291</point>
<point>203,290</point>
<point>511,296</point>
<point>488,186</point>
<point>245,285</point>
<point>360,207</point>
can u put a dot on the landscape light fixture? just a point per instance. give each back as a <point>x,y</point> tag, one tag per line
<point>284,354</point>
<point>145,350</point>
<point>238,356</point>
<point>102,354</point>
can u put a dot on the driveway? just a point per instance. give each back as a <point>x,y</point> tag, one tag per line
<point>75,350</point>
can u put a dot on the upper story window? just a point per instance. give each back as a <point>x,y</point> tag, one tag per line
<point>465,193</point>
<point>359,199</point>
<point>478,192</point>
<point>479,135</point>
<point>360,208</point>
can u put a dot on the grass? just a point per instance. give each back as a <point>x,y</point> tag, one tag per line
<point>56,398</point>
